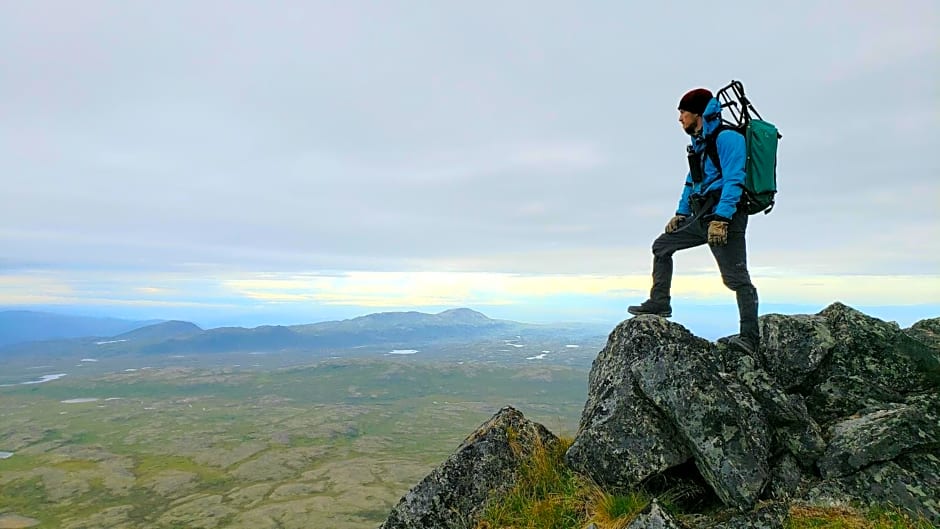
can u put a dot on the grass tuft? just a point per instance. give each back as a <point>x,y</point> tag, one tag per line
<point>802,517</point>
<point>613,511</point>
<point>547,494</point>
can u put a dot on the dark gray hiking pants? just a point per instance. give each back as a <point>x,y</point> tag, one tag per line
<point>731,259</point>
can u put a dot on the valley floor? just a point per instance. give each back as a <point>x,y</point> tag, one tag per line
<point>332,444</point>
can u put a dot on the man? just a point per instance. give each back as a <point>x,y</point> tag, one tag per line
<point>710,211</point>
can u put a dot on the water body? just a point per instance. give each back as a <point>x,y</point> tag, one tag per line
<point>4,455</point>
<point>78,401</point>
<point>44,378</point>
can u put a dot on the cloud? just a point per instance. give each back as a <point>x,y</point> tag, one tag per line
<point>392,289</point>
<point>315,138</point>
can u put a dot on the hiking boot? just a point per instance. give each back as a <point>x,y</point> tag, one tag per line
<point>650,307</point>
<point>742,344</point>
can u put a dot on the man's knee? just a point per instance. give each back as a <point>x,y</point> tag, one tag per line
<point>735,284</point>
<point>664,245</point>
<point>661,249</point>
<point>737,277</point>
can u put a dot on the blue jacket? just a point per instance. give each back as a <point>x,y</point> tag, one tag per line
<point>729,179</point>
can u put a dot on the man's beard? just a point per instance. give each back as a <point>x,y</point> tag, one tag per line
<point>690,130</point>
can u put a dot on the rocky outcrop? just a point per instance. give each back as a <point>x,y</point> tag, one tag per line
<point>926,331</point>
<point>630,440</point>
<point>835,401</point>
<point>717,419</point>
<point>872,363</point>
<point>669,390</point>
<point>456,493</point>
<point>835,408</point>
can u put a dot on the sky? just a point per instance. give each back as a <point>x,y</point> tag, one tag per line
<point>241,163</point>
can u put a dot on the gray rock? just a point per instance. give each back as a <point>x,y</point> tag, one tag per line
<point>770,516</point>
<point>793,428</point>
<point>622,438</point>
<point>653,517</point>
<point>926,331</point>
<point>873,362</point>
<point>454,494</point>
<point>793,347</point>
<point>882,435</point>
<point>718,418</point>
<point>910,481</point>
<point>786,477</point>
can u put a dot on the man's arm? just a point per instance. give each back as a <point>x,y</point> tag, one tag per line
<point>732,154</point>
<point>685,209</point>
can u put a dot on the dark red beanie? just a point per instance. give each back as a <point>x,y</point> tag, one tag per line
<point>695,101</point>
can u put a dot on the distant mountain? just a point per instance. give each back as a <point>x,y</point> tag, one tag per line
<point>228,339</point>
<point>18,326</point>
<point>379,328</point>
<point>387,328</point>
<point>161,331</point>
<point>392,320</point>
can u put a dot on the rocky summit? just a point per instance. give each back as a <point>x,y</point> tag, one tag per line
<point>835,408</point>
<point>455,493</point>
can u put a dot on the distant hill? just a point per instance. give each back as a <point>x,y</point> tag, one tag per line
<point>161,331</point>
<point>18,326</point>
<point>379,328</point>
<point>387,328</point>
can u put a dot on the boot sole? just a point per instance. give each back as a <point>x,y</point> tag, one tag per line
<point>665,314</point>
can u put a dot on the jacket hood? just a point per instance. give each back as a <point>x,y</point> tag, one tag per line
<point>711,118</point>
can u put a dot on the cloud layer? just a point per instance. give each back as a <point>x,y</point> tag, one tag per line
<point>521,147</point>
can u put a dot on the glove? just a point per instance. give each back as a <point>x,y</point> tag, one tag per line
<point>717,233</point>
<point>674,223</point>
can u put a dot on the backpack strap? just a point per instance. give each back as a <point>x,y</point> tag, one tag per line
<point>711,144</point>
<point>711,150</point>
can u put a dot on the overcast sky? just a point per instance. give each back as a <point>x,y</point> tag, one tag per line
<point>298,159</point>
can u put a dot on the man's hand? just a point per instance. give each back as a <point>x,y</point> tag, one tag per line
<point>674,223</point>
<point>717,233</point>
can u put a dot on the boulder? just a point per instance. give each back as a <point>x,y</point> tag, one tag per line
<point>455,494</point>
<point>623,438</point>
<point>872,362</point>
<point>793,347</point>
<point>881,435</point>
<point>927,332</point>
<point>910,481</point>
<point>792,427</point>
<point>718,419</point>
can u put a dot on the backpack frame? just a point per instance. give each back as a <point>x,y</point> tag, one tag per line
<point>732,97</point>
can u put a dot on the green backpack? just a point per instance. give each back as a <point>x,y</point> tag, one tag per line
<point>761,137</point>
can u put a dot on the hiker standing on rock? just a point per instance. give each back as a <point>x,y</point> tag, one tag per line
<point>710,211</point>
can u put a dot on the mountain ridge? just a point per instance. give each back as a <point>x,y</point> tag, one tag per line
<point>379,328</point>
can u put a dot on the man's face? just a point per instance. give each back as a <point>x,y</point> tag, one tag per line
<point>691,123</point>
